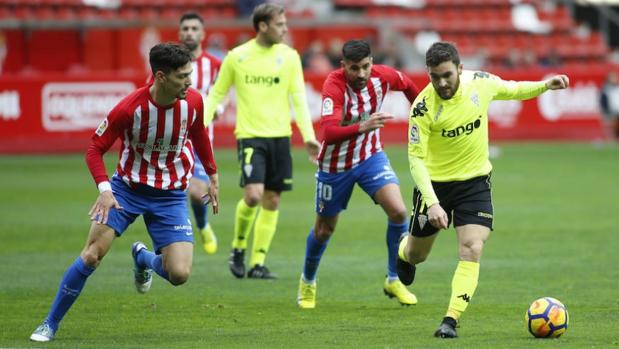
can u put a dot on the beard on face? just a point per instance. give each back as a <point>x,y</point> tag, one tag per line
<point>190,44</point>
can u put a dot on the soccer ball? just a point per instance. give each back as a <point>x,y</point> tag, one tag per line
<point>547,318</point>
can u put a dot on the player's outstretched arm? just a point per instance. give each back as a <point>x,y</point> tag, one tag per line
<point>558,82</point>
<point>100,210</point>
<point>376,120</point>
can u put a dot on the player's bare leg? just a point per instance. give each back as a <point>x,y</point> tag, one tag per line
<point>177,260</point>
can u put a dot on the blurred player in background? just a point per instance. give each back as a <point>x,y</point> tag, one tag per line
<point>448,157</point>
<point>351,153</point>
<point>267,75</point>
<point>204,72</point>
<point>160,126</point>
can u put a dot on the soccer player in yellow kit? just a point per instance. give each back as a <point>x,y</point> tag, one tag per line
<point>448,157</point>
<point>267,75</point>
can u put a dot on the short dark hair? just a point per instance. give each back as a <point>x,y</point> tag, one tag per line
<point>356,50</point>
<point>167,57</point>
<point>191,15</point>
<point>265,13</point>
<point>440,52</point>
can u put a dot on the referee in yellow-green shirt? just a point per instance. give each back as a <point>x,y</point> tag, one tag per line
<point>448,157</point>
<point>267,76</point>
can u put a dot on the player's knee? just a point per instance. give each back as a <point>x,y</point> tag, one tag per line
<point>253,199</point>
<point>179,276</point>
<point>398,216</point>
<point>323,232</point>
<point>91,257</point>
<point>415,257</point>
<point>471,250</point>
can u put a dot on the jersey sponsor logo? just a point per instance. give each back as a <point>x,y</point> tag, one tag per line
<point>74,106</point>
<point>102,127</point>
<point>327,106</point>
<point>183,227</point>
<point>261,80</point>
<point>420,109</point>
<point>355,120</point>
<point>414,136</point>
<point>462,129</point>
<point>159,146</point>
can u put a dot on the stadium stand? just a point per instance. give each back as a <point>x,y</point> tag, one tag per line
<point>479,27</point>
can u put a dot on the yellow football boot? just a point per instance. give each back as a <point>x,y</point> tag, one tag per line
<point>396,289</point>
<point>306,297</point>
<point>209,240</point>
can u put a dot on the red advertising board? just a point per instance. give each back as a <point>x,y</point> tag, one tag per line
<point>56,113</point>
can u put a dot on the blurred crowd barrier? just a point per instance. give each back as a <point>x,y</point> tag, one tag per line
<point>54,113</point>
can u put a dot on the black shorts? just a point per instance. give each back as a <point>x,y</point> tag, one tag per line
<point>466,202</point>
<point>267,161</point>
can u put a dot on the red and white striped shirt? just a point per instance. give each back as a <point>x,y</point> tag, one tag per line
<point>158,142</point>
<point>205,70</point>
<point>344,108</point>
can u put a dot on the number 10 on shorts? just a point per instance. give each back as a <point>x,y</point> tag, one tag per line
<point>324,191</point>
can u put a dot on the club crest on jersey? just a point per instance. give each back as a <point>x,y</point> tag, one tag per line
<point>475,99</point>
<point>183,126</point>
<point>414,136</point>
<point>420,109</point>
<point>102,127</point>
<point>327,106</point>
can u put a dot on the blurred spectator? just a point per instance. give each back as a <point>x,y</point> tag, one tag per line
<point>512,59</point>
<point>550,59</point>
<point>389,53</point>
<point>582,31</point>
<point>241,39</point>
<point>216,45</point>
<point>613,57</point>
<point>246,7</point>
<point>525,18</point>
<point>476,61</point>
<point>609,106</point>
<point>424,39</point>
<point>315,59</point>
<point>335,51</point>
<point>529,58</point>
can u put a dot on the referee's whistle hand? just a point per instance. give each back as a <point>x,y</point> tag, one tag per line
<point>438,217</point>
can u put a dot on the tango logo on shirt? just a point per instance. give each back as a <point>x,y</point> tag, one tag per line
<point>462,129</point>
<point>260,79</point>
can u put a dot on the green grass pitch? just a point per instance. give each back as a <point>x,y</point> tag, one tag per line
<point>556,234</point>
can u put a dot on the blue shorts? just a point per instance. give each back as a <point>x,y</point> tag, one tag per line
<point>333,190</point>
<point>199,172</point>
<point>164,211</point>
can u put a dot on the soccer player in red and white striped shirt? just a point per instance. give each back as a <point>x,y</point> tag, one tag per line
<point>204,73</point>
<point>351,153</point>
<point>160,127</point>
